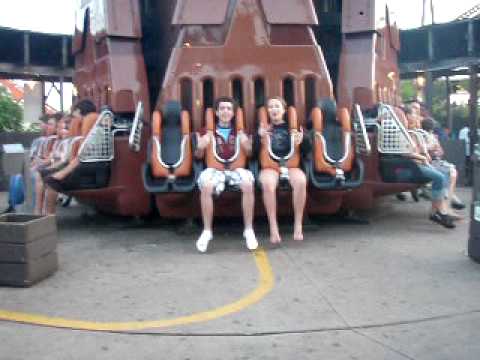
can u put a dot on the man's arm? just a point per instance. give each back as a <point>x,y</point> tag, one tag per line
<point>246,143</point>
<point>202,142</point>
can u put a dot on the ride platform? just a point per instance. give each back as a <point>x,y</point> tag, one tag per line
<point>400,287</point>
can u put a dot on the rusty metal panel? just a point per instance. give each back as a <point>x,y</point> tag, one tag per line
<point>358,16</point>
<point>204,12</point>
<point>117,24</point>
<point>301,12</point>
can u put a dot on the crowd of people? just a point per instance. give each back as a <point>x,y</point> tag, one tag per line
<point>51,158</point>
<point>427,152</point>
<point>52,161</point>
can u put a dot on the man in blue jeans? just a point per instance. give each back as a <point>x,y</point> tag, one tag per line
<point>439,213</point>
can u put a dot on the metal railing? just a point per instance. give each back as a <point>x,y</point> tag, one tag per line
<point>98,145</point>
<point>393,138</point>
<point>135,138</point>
<point>362,142</point>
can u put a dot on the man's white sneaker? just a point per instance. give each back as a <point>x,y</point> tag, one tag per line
<point>250,239</point>
<point>203,240</point>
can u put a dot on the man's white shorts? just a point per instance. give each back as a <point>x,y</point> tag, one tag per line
<point>219,178</point>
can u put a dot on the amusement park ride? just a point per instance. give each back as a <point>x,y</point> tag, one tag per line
<point>155,68</point>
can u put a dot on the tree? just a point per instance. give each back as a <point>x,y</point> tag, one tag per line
<point>11,114</point>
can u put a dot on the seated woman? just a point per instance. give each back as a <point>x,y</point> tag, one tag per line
<point>436,153</point>
<point>279,132</point>
<point>439,212</point>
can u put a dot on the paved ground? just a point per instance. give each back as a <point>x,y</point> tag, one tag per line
<point>399,288</point>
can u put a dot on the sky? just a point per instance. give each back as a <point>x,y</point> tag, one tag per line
<point>58,16</point>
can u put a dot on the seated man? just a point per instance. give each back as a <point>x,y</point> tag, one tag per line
<point>212,181</point>
<point>439,212</point>
<point>436,153</point>
<point>59,159</point>
<point>44,160</point>
<point>279,132</point>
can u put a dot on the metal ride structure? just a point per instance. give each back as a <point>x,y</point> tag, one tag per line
<point>157,67</point>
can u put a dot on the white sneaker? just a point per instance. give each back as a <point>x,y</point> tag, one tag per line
<point>250,239</point>
<point>203,240</point>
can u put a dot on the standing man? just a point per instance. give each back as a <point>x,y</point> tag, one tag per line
<point>212,181</point>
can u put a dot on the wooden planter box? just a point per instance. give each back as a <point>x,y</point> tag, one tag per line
<point>28,249</point>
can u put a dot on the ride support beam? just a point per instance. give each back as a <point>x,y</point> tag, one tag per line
<point>473,107</point>
<point>448,106</point>
<point>429,91</point>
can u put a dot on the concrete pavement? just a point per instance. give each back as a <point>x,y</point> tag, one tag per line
<point>399,288</point>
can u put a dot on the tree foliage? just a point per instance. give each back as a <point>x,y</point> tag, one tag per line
<point>460,113</point>
<point>11,114</point>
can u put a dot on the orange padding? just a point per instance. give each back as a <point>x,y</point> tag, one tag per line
<point>75,127</point>
<point>185,168</point>
<point>210,160</point>
<point>321,163</point>
<point>266,162</point>
<point>83,126</point>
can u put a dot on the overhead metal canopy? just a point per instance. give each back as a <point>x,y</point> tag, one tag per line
<point>35,56</point>
<point>442,49</point>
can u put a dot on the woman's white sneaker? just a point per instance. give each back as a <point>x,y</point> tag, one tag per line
<point>250,239</point>
<point>203,240</point>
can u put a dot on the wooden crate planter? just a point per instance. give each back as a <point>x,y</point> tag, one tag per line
<point>28,249</point>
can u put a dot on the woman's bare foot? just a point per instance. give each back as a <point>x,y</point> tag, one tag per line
<point>275,237</point>
<point>298,234</point>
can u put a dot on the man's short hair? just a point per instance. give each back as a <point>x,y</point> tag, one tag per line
<point>428,124</point>
<point>58,116</point>
<point>44,118</point>
<point>85,106</point>
<point>226,99</point>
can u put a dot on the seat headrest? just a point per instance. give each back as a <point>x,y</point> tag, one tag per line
<point>343,116</point>
<point>171,111</point>
<point>75,127</point>
<point>291,114</point>
<point>329,110</point>
<point>210,120</point>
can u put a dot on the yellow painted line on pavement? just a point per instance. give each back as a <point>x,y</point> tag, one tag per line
<point>265,285</point>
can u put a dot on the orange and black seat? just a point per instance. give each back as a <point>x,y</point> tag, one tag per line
<point>170,166</point>
<point>269,159</point>
<point>332,164</point>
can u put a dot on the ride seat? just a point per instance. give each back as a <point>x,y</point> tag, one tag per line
<point>334,161</point>
<point>170,165</point>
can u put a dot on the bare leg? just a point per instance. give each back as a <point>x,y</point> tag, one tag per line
<point>269,181</point>
<point>248,203</point>
<point>67,170</point>
<point>453,184</point>
<point>206,201</point>
<point>51,199</point>
<point>39,194</point>
<point>298,181</point>
<point>440,205</point>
